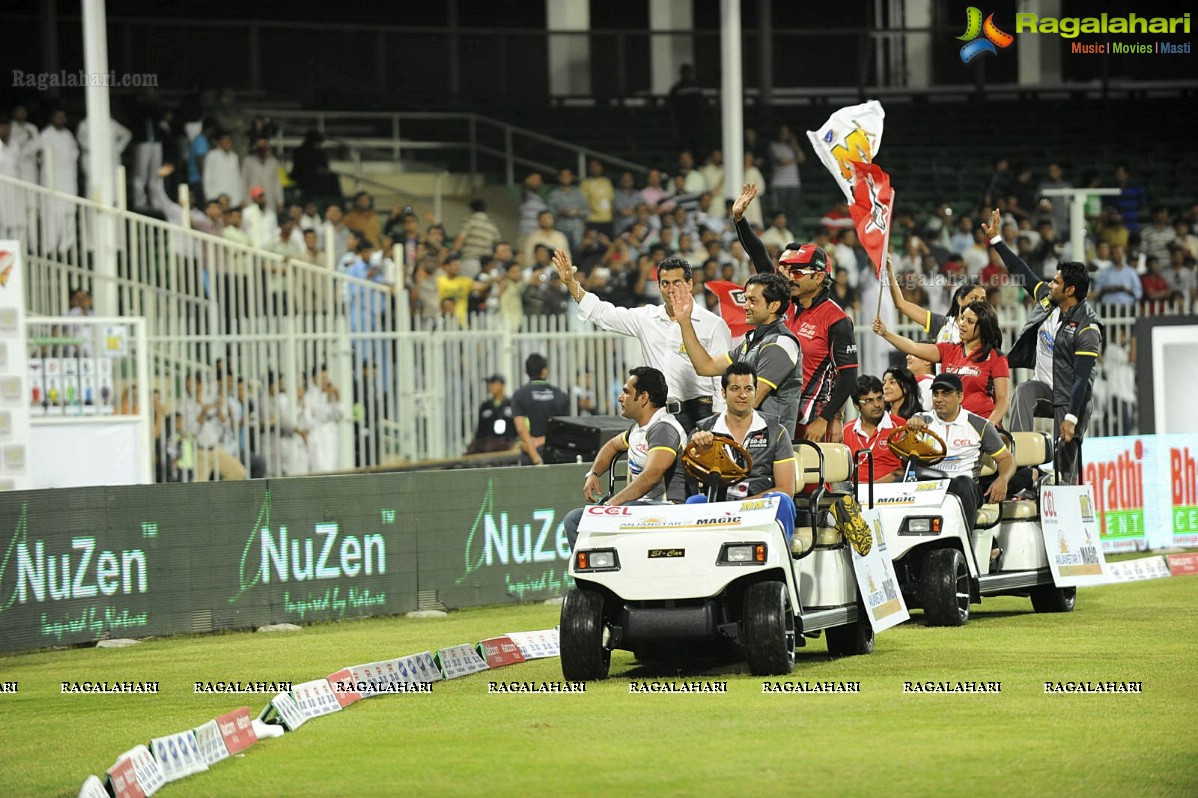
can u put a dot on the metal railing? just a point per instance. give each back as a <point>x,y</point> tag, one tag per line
<point>488,144</point>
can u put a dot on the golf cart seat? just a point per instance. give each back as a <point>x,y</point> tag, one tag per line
<point>1029,449</point>
<point>817,465</point>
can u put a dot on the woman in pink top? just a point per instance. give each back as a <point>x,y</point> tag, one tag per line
<point>977,360</point>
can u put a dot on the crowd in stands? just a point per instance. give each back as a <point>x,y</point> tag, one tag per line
<point>617,228</point>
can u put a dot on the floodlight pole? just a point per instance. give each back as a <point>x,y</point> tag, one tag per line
<point>732,101</point>
<point>101,173</point>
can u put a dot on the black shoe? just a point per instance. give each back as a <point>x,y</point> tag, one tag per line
<point>995,558</point>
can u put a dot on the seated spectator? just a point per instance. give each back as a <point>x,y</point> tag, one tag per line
<point>900,391</point>
<point>777,234</point>
<point>545,236</point>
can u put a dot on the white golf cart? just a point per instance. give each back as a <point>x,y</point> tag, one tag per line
<point>661,578</point>
<point>941,566</point>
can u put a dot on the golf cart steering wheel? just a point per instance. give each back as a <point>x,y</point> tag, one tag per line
<point>724,463</point>
<point>922,447</point>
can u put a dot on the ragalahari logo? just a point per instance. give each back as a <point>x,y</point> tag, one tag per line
<point>975,27</point>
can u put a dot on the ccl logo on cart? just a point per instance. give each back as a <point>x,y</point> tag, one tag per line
<point>602,509</point>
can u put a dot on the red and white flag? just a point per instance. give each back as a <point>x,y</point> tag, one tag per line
<point>873,210</point>
<point>851,134</point>
<point>732,304</point>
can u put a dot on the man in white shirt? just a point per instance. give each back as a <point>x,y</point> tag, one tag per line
<point>691,397</point>
<point>654,446</point>
<point>222,170</point>
<point>60,164</point>
<point>777,235</point>
<point>28,143</point>
<point>12,221</point>
<point>259,221</point>
<point>966,437</point>
<point>261,168</point>
<point>120,140</point>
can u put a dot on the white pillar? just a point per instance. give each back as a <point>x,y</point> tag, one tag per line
<point>101,176</point>
<point>1039,57</point>
<point>667,53</point>
<point>1077,214</point>
<point>569,55</point>
<point>732,103</point>
<point>918,46</point>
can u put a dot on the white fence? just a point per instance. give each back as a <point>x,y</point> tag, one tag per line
<point>268,326</point>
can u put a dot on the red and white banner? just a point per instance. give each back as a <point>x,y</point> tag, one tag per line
<point>851,134</point>
<point>873,210</point>
<point>732,305</point>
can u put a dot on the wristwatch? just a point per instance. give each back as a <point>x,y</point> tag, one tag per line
<point>590,474</point>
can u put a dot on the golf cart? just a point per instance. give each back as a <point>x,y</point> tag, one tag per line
<point>941,566</point>
<point>715,576</point>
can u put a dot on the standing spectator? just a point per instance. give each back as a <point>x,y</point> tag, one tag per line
<point>786,156</point>
<point>310,170</point>
<point>1059,210</point>
<point>496,427</point>
<point>478,237</point>
<point>692,181</point>
<point>336,233</point>
<point>1156,238</point>
<point>753,175</point>
<point>569,208</point>
<point>1154,285</point>
<point>713,173</point>
<point>197,153</point>
<point>120,140</point>
<point>261,168</point>
<point>1131,200</point>
<point>653,195</point>
<point>275,276</point>
<point>599,193</point>
<point>1118,284</point>
<point>533,404</point>
<point>222,170</point>
<point>511,297</point>
<point>1180,275</point>
<point>364,219</point>
<point>454,286</point>
<point>545,235</point>
<point>686,101</point>
<point>27,142</point>
<point>60,172</point>
<point>148,136</point>
<point>260,222</point>
<point>532,205</point>
<point>13,221</point>
<point>625,202</point>
<point>365,303</point>
<point>1000,184</point>
<point>280,429</point>
<point>324,413</point>
<point>778,235</point>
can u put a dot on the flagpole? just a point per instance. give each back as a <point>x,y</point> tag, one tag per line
<point>882,267</point>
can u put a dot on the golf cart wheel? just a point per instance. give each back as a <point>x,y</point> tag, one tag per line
<point>769,629</point>
<point>851,640</point>
<point>1048,598</point>
<point>945,588</point>
<point>583,654</point>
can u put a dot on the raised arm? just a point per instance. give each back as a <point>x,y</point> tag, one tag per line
<point>905,306</point>
<point>748,239</point>
<point>1022,273</point>
<point>705,365</point>
<point>927,352</point>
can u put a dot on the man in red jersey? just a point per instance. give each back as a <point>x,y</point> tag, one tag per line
<point>824,331</point>
<point>873,425</point>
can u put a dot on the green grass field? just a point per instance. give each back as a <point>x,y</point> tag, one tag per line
<point>460,740</point>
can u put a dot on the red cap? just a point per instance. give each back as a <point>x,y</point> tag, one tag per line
<point>257,191</point>
<point>807,256</point>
